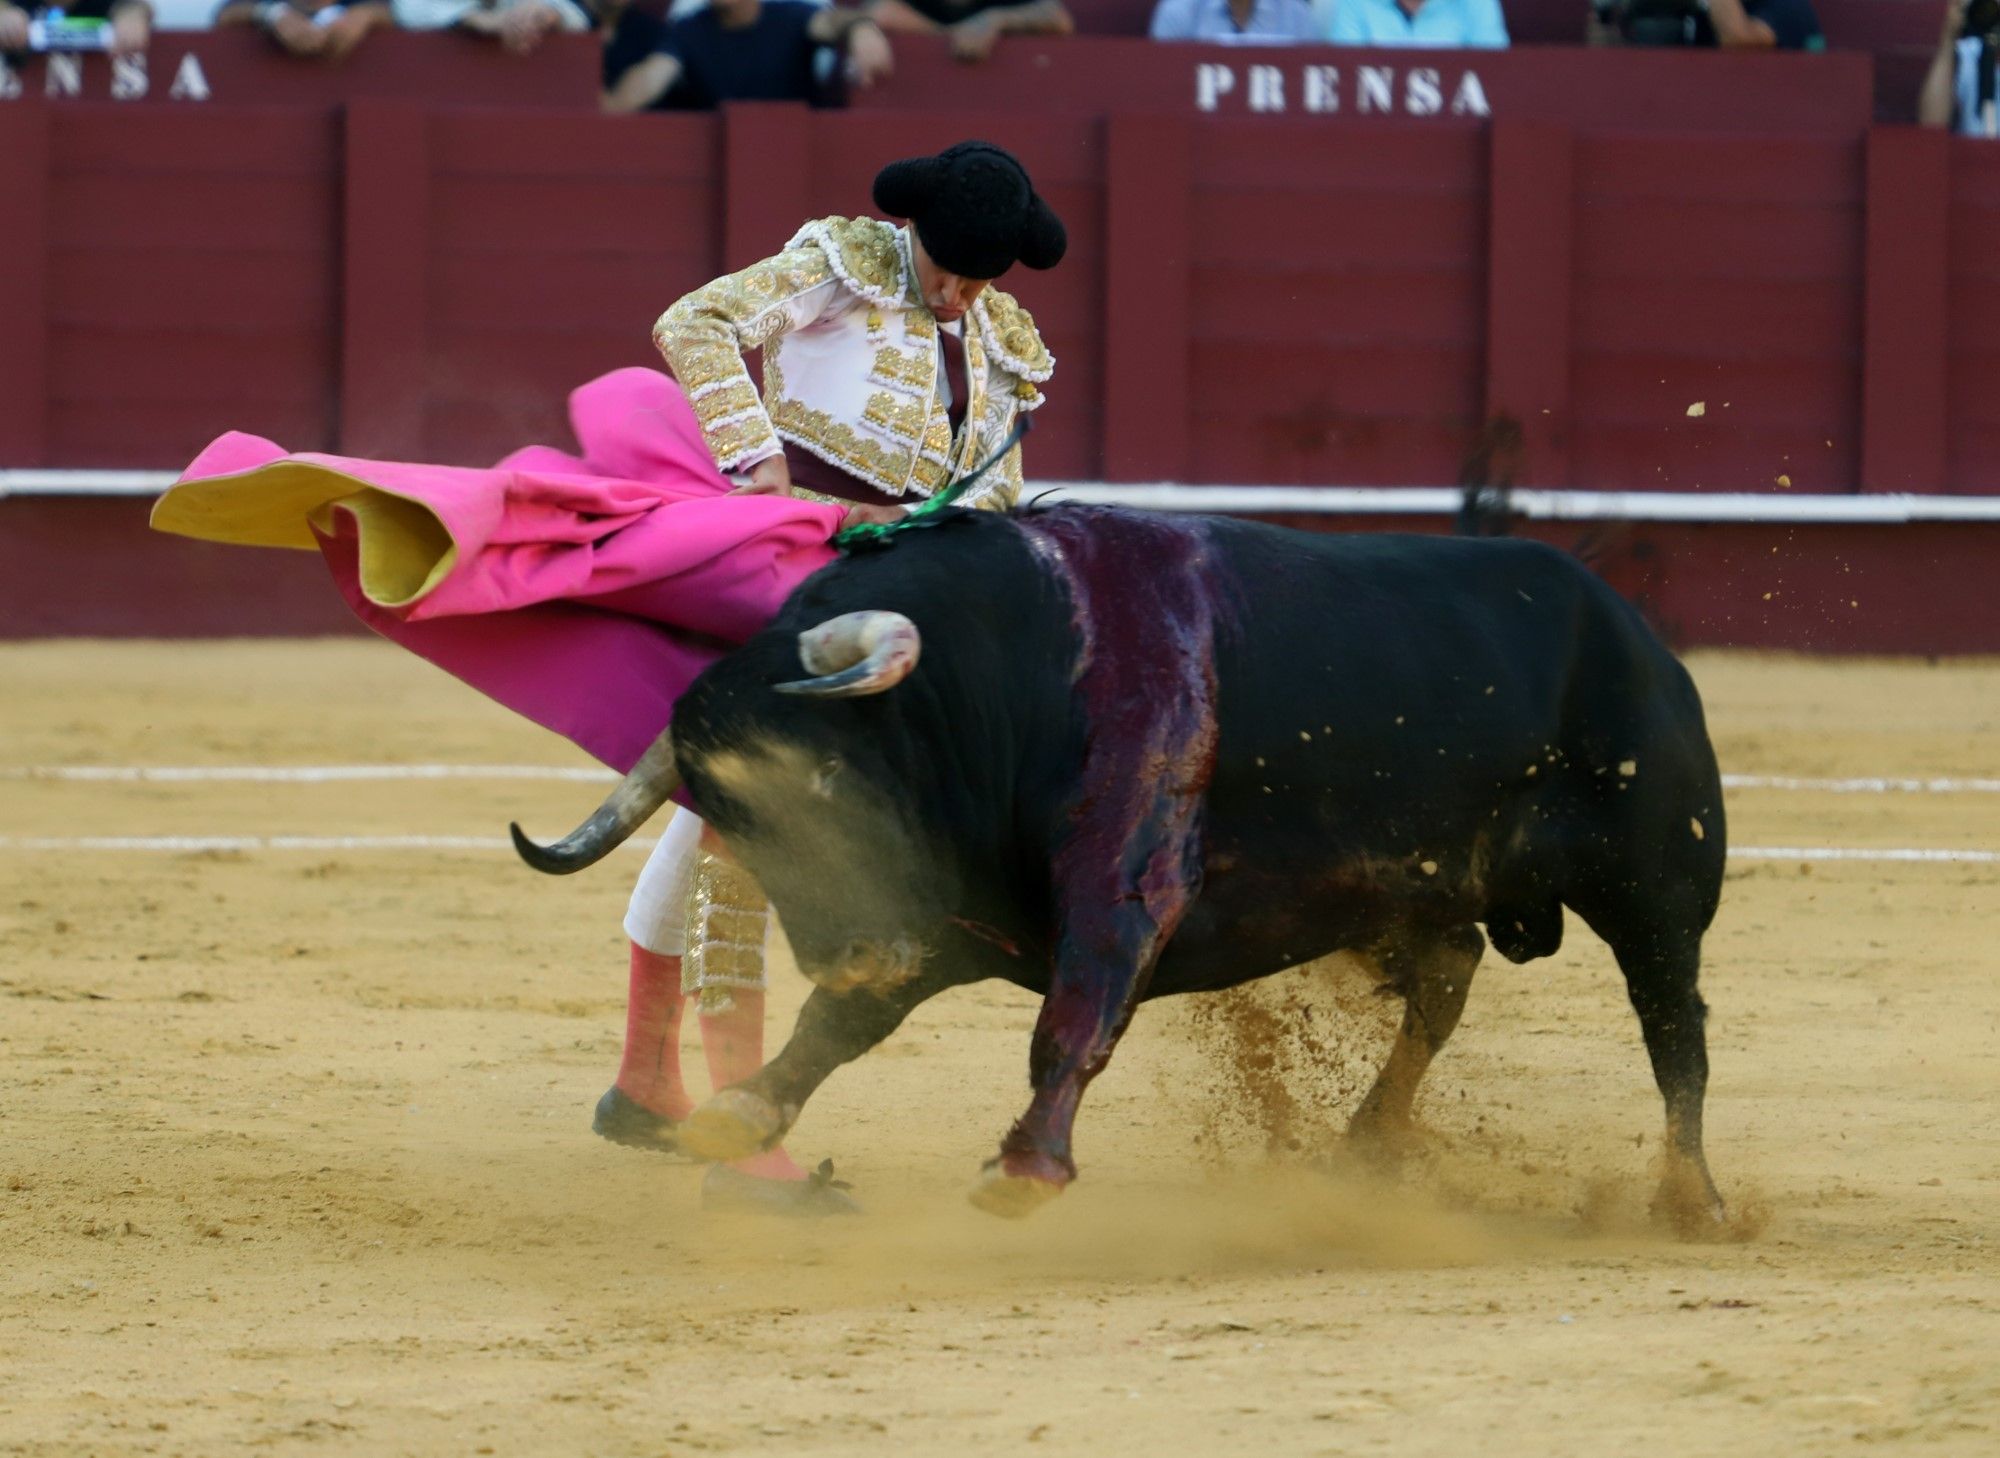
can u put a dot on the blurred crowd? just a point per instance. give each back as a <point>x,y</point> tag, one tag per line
<point>696,54</point>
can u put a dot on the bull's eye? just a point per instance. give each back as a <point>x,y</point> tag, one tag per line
<point>821,782</point>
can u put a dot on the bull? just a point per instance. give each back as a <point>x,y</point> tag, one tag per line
<point>1110,755</point>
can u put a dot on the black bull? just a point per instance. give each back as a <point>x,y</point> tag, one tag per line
<point>1144,755</point>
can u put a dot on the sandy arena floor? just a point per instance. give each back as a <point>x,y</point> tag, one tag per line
<point>295,1152</point>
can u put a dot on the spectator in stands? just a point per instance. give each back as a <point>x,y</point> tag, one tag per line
<point>130,21</point>
<point>1434,24</point>
<point>740,50</point>
<point>974,26</point>
<point>1786,25</point>
<point>1959,89</point>
<point>519,25</point>
<point>327,29</point>
<point>1236,22</point>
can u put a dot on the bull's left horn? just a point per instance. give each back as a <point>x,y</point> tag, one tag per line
<point>856,654</point>
<point>651,783</point>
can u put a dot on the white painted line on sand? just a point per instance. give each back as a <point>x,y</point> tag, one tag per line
<point>301,774</point>
<point>312,774</point>
<point>187,844</point>
<point>1863,786</point>
<point>1857,853</point>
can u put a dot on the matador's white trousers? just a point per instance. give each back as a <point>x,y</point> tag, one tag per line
<point>694,905</point>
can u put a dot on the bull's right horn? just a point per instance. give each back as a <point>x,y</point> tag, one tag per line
<point>856,654</point>
<point>651,783</point>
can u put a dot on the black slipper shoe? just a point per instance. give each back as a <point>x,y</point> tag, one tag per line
<point>624,1120</point>
<point>819,1193</point>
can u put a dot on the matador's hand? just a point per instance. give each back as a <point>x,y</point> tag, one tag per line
<point>871,515</point>
<point>771,476</point>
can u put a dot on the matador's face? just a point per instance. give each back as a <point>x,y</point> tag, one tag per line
<point>946,295</point>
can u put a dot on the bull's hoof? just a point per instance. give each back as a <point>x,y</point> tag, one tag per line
<point>819,1193</point>
<point>735,1124</point>
<point>1017,1184</point>
<point>1014,1197</point>
<point>624,1120</point>
<point>1688,1204</point>
<point>1381,1143</point>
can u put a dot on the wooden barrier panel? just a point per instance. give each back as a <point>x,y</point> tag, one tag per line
<point>190,282</point>
<point>1903,393</point>
<point>555,244</point>
<point>1973,318</point>
<point>1531,231</point>
<point>1337,314</point>
<point>24,263</point>
<point>1724,276</point>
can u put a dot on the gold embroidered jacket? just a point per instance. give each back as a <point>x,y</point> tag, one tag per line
<point>851,364</point>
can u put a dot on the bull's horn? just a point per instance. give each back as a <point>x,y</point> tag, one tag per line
<point>652,781</point>
<point>856,654</point>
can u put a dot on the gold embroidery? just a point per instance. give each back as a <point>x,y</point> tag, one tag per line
<point>914,373</point>
<point>1008,494</point>
<point>903,442</point>
<point>905,419</point>
<point>734,443</point>
<point>698,363</point>
<point>704,335</point>
<point>891,469</point>
<point>726,918</point>
<point>1010,333</point>
<point>724,399</point>
<point>866,254</point>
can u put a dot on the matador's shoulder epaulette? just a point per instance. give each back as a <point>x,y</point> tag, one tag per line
<point>865,255</point>
<point>1008,332</point>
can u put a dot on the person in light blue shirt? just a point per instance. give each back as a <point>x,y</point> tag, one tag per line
<point>1437,24</point>
<point>1236,22</point>
<point>1955,93</point>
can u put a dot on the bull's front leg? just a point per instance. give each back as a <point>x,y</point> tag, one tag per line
<point>1095,988</point>
<point>833,1028</point>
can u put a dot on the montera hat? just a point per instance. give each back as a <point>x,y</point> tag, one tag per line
<point>974,209</point>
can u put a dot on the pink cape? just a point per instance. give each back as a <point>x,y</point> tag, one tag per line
<point>584,592</point>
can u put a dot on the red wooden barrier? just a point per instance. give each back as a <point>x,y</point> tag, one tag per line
<point>1725,275</point>
<point>1973,315</point>
<point>1247,298</point>
<point>542,248</point>
<point>1903,396</point>
<point>164,275</point>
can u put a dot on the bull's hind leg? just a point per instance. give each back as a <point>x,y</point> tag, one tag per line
<point>1661,970</point>
<point>1433,971</point>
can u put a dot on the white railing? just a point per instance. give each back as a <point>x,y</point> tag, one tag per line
<point>1536,505</point>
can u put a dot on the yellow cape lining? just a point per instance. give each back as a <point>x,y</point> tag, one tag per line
<point>405,550</point>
